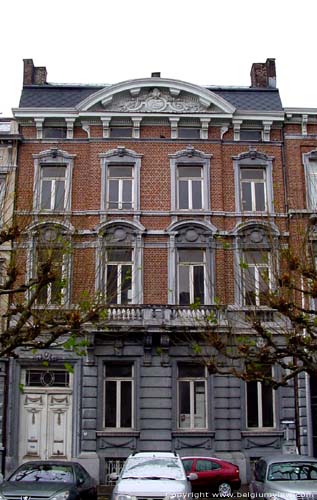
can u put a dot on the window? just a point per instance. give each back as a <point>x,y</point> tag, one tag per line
<point>190,187</point>
<point>120,179</point>
<point>119,396</point>
<point>256,276</point>
<point>260,402</point>
<point>253,182</point>
<point>119,275</point>
<point>120,187</point>
<point>53,179</point>
<point>191,276</point>
<point>50,253</point>
<point>53,293</point>
<point>190,180</point>
<point>311,182</point>
<point>121,132</point>
<point>253,189</point>
<point>250,135</point>
<point>192,390</point>
<point>54,132</point>
<point>2,194</point>
<point>189,132</point>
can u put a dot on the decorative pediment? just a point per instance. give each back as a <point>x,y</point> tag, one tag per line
<point>156,95</point>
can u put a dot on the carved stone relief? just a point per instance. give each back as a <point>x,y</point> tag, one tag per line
<point>157,101</point>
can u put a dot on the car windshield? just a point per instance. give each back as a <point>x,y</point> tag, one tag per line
<point>154,468</point>
<point>292,471</point>
<point>44,473</point>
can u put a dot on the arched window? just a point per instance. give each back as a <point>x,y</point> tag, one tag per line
<point>50,248</point>
<point>119,272</point>
<point>254,263</point>
<point>191,263</point>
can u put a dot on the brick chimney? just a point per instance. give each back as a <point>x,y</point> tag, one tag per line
<point>33,75</point>
<point>263,75</point>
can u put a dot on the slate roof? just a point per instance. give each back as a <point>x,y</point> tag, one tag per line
<point>68,96</point>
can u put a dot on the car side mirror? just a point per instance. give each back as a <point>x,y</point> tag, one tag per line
<point>113,476</point>
<point>80,481</point>
<point>192,476</point>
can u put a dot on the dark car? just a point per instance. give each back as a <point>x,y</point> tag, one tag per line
<point>213,475</point>
<point>49,479</point>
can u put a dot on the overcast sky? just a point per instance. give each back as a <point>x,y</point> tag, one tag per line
<point>207,42</point>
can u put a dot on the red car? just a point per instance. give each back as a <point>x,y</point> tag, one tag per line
<point>213,475</point>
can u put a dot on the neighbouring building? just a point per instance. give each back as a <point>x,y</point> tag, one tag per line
<point>146,179</point>
<point>9,139</point>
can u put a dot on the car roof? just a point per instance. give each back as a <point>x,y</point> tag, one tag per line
<point>271,459</point>
<point>154,454</point>
<point>49,462</point>
<point>193,457</point>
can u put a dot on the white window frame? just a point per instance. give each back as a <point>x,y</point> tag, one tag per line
<point>120,157</point>
<point>257,266</point>
<point>52,157</point>
<point>310,167</point>
<point>253,160</point>
<point>50,285</point>
<point>259,402</point>
<point>53,181</point>
<point>190,157</point>
<point>191,381</point>
<point>120,180</point>
<point>119,381</point>
<point>118,265</point>
<point>189,181</point>
<point>191,266</point>
<point>253,183</point>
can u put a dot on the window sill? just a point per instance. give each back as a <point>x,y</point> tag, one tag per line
<point>262,431</point>
<point>193,432</point>
<point>118,433</point>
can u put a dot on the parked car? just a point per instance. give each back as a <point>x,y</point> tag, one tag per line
<point>213,474</point>
<point>154,475</point>
<point>49,479</point>
<point>288,477</point>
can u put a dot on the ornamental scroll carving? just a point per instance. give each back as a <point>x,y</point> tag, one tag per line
<point>157,101</point>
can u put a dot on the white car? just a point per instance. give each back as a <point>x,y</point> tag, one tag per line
<point>155,475</point>
<point>285,477</point>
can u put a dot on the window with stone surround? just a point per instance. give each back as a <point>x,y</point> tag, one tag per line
<point>50,246</point>
<point>192,396</point>
<point>52,181</point>
<point>253,182</point>
<point>120,180</point>
<point>119,396</point>
<point>190,180</point>
<point>260,403</point>
<point>254,264</point>
<point>119,263</point>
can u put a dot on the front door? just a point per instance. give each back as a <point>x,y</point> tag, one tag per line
<point>45,415</point>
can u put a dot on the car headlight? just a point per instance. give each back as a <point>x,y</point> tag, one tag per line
<point>60,496</point>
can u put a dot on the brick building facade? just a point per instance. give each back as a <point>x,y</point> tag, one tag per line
<point>146,179</point>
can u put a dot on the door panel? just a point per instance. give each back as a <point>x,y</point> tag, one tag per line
<point>45,425</point>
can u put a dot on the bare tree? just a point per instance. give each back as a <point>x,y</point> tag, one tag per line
<point>277,326</point>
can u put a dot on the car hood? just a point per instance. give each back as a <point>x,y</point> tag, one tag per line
<point>291,487</point>
<point>148,487</point>
<point>18,488</point>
